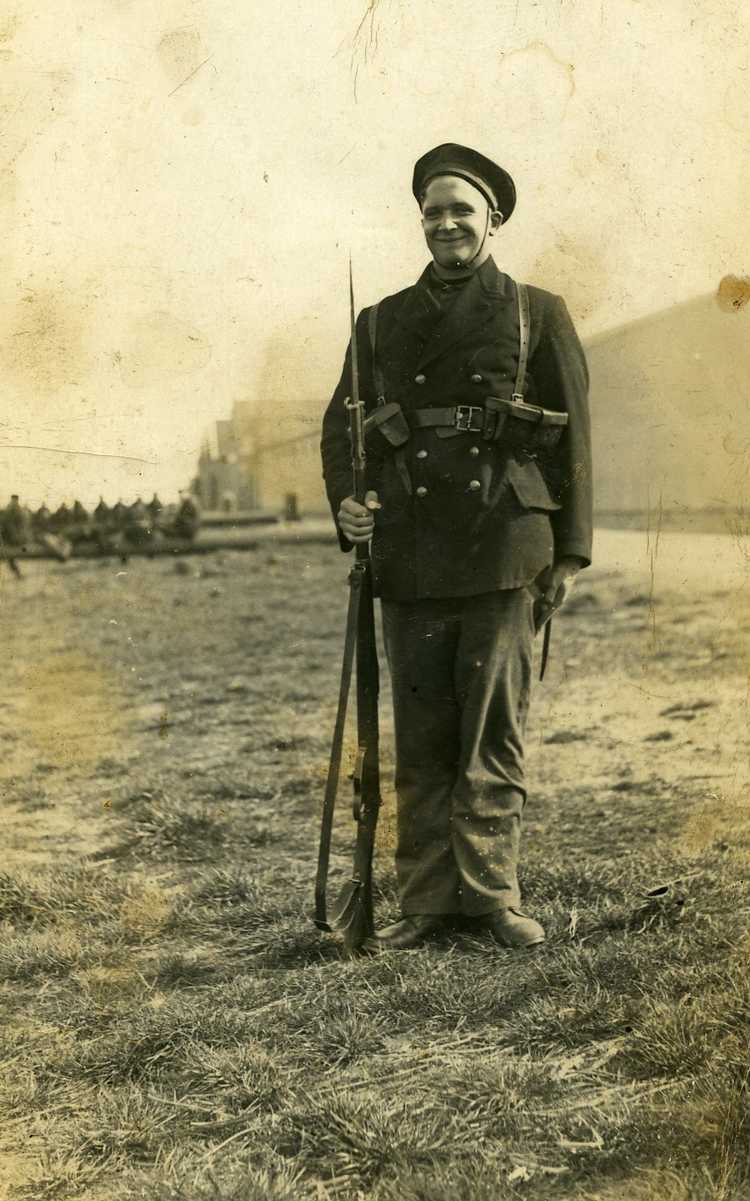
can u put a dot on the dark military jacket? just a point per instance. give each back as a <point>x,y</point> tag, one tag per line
<point>15,524</point>
<point>461,515</point>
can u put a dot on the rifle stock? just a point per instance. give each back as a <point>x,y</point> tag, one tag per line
<point>337,744</point>
<point>353,915</point>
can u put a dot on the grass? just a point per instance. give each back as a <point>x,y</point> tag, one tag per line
<point>196,1052</point>
<point>174,1028</point>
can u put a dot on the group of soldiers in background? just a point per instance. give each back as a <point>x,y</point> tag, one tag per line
<point>116,530</point>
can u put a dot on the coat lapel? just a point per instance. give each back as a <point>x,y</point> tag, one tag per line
<point>418,311</point>
<point>474,307</point>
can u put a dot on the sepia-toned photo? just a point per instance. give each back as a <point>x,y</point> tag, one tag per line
<point>374,568</point>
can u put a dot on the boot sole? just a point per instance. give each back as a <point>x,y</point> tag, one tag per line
<point>519,946</point>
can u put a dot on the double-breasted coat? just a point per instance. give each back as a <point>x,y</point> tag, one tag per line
<point>471,516</point>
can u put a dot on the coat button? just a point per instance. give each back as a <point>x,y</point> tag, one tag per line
<point>476,378</point>
<point>420,379</point>
<point>474,450</point>
<point>474,485</point>
<point>421,454</point>
<point>421,490</point>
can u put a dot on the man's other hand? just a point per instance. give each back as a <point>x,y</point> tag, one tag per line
<point>554,585</point>
<point>357,521</point>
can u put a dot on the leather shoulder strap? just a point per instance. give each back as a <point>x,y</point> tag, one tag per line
<point>524,329</point>
<point>377,374</point>
<point>379,382</point>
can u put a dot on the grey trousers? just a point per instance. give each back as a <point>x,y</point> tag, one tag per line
<point>461,675</point>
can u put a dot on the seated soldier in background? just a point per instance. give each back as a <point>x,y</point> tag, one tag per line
<point>155,508</point>
<point>101,527</point>
<point>138,526</point>
<point>79,527</point>
<point>118,516</point>
<point>101,513</point>
<point>187,518</point>
<point>60,520</point>
<point>40,521</point>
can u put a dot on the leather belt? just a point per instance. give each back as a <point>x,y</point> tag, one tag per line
<point>469,418</point>
<point>477,419</point>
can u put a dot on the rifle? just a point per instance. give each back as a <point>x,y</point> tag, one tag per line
<point>352,914</point>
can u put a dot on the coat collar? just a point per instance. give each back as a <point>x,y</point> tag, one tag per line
<point>487,288</point>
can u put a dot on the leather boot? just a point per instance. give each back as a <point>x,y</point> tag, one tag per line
<point>409,932</point>
<point>511,928</point>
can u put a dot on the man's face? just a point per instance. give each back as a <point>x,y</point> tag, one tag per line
<point>454,220</point>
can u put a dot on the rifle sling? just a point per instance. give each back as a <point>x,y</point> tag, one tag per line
<point>368,690</point>
<point>377,374</point>
<point>356,577</point>
<point>524,330</point>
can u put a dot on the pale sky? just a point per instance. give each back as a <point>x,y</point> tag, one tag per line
<point>182,182</point>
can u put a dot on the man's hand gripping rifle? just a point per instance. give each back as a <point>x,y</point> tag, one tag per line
<point>352,914</point>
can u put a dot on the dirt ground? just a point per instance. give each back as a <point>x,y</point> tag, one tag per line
<point>158,663</point>
<point>134,693</point>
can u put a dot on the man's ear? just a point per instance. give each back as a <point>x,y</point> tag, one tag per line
<point>496,220</point>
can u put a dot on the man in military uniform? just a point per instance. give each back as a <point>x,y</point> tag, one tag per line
<point>15,531</point>
<point>479,490</point>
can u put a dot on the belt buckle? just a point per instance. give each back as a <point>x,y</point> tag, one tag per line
<point>464,419</point>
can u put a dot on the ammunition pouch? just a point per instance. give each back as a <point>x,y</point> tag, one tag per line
<point>521,426</point>
<point>386,428</point>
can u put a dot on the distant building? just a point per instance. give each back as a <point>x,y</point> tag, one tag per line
<point>226,479</point>
<point>292,465</point>
<point>259,462</point>
<point>670,408</point>
<point>293,394</point>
